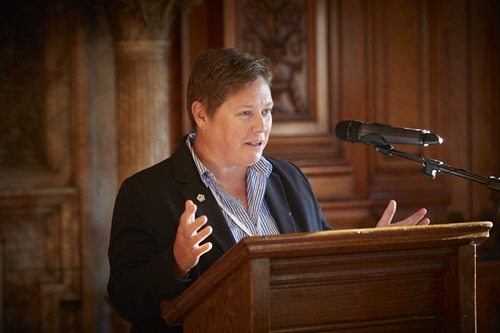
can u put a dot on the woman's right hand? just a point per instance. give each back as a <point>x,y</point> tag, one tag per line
<point>187,248</point>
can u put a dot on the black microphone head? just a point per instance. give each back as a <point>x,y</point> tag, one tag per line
<point>432,139</point>
<point>348,130</point>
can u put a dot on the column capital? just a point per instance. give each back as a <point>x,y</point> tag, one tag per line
<point>140,20</point>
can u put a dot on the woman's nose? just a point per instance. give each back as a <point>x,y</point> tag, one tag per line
<point>260,123</point>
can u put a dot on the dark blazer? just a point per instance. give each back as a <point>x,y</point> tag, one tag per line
<point>145,221</point>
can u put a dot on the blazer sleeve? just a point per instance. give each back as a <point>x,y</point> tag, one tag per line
<point>141,273</point>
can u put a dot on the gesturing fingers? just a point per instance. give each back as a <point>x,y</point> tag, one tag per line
<point>188,216</point>
<point>416,218</point>
<point>190,234</point>
<point>189,226</point>
<point>389,212</point>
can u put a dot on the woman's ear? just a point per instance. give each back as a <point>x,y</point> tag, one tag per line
<point>199,114</point>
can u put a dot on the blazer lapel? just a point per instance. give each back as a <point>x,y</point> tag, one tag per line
<point>194,189</point>
<point>207,205</point>
<point>278,204</point>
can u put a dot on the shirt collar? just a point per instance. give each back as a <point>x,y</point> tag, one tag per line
<point>262,166</point>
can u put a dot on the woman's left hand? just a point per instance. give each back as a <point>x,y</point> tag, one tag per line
<point>416,219</point>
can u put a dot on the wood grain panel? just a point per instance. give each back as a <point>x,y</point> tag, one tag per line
<point>402,90</point>
<point>41,260</point>
<point>484,119</point>
<point>488,296</point>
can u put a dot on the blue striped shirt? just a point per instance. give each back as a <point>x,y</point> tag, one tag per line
<point>258,213</point>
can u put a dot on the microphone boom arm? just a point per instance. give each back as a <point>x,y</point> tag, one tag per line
<point>432,167</point>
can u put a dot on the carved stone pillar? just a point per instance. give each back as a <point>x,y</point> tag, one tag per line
<point>140,31</point>
<point>142,105</point>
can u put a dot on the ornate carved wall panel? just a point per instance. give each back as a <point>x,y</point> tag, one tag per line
<point>292,35</point>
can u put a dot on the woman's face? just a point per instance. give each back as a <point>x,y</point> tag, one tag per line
<point>238,132</point>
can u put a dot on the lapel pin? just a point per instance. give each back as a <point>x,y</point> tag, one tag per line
<point>200,197</point>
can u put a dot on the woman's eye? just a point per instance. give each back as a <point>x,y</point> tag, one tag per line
<point>246,113</point>
<point>266,111</point>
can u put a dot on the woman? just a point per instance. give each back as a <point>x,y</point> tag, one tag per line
<point>175,219</point>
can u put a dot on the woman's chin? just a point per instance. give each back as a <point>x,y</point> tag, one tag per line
<point>252,159</point>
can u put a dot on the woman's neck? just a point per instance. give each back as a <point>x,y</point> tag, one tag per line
<point>232,178</point>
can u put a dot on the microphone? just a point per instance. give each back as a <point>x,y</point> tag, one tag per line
<point>382,134</point>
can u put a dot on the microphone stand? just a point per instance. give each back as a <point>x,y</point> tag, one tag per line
<point>433,167</point>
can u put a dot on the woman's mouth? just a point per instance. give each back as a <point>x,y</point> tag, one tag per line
<point>255,143</point>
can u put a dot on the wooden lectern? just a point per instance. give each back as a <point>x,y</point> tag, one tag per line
<point>398,279</point>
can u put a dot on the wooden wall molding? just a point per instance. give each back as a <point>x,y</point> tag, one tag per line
<point>41,259</point>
